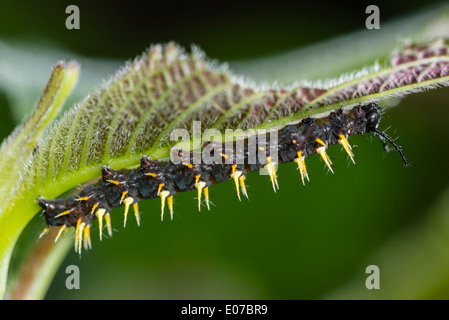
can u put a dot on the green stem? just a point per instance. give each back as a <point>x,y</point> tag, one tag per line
<point>21,205</point>
<point>12,222</point>
<point>38,268</point>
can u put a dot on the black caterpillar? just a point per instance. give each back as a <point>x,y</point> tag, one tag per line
<point>156,178</point>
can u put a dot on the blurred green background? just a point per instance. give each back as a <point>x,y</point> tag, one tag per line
<point>302,242</point>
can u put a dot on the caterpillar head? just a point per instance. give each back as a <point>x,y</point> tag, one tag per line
<point>372,116</point>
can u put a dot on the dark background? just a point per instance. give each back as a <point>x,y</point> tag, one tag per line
<point>229,30</point>
<point>302,242</point>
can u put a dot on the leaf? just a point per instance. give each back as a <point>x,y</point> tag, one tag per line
<point>21,144</point>
<point>24,70</point>
<point>165,89</point>
<point>413,69</point>
<point>24,139</point>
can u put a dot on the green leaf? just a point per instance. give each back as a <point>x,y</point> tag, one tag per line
<point>21,144</point>
<point>24,139</point>
<point>167,89</point>
<point>412,69</point>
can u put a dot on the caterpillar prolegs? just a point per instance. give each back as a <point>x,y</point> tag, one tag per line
<point>164,178</point>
